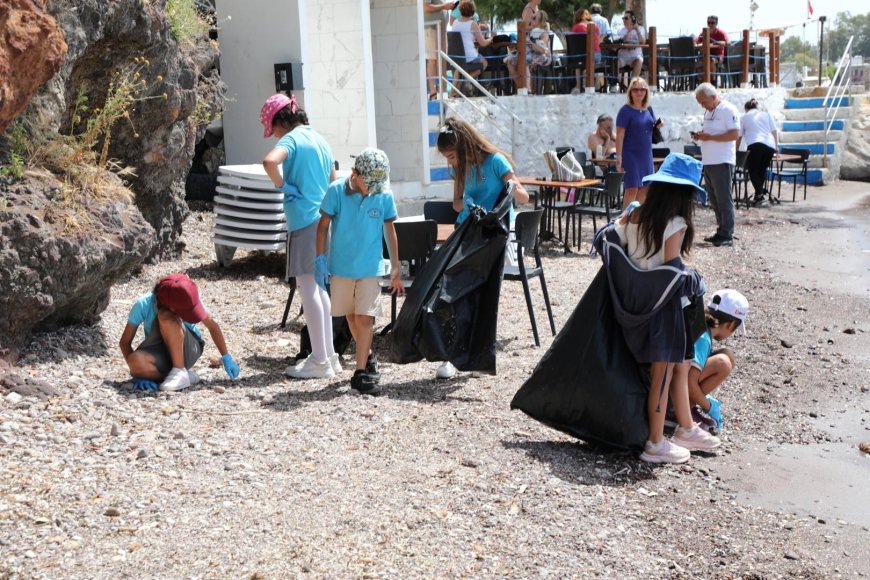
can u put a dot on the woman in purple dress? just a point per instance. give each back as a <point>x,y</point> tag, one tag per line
<point>634,125</point>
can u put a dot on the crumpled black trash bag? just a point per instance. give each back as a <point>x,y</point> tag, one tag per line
<point>588,384</point>
<point>451,310</point>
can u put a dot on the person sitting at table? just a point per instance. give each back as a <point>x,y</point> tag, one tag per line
<point>470,31</point>
<point>480,171</point>
<point>599,20</point>
<point>631,33</point>
<point>603,137</point>
<point>584,24</point>
<point>718,40</point>
<point>537,42</point>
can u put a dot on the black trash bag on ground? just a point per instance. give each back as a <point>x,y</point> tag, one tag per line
<point>341,338</point>
<point>588,384</point>
<point>451,310</point>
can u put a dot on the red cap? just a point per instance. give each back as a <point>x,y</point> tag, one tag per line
<point>178,293</point>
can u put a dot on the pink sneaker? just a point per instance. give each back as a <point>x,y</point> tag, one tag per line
<point>696,439</point>
<point>664,452</point>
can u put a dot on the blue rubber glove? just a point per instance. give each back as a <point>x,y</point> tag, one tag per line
<point>291,192</point>
<point>321,275</point>
<point>715,411</point>
<point>230,366</point>
<point>145,385</point>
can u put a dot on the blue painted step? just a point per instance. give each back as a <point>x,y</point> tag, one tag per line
<point>811,125</point>
<point>815,103</point>
<point>815,148</point>
<point>433,108</point>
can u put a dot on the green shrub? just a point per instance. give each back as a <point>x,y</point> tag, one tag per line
<point>187,23</point>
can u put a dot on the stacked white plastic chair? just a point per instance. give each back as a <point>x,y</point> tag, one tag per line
<point>249,212</point>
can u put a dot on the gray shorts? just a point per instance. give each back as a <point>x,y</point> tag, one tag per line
<point>154,345</point>
<point>303,246</point>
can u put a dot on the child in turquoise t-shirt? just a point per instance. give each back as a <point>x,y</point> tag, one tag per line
<point>725,313</point>
<point>360,211</point>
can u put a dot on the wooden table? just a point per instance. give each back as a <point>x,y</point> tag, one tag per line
<point>548,198</point>
<point>444,231</point>
<point>608,161</point>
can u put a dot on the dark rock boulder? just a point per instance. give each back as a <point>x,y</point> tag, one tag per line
<point>32,50</point>
<point>57,265</point>
<point>182,93</point>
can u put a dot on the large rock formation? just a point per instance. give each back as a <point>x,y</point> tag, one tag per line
<point>57,265</point>
<point>183,89</point>
<point>32,50</point>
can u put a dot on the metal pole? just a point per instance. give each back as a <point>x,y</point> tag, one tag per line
<point>821,44</point>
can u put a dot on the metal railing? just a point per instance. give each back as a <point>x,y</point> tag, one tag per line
<point>839,87</point>
<point>444,57</point>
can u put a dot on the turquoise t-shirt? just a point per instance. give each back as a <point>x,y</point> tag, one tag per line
<point>482,187</point>
<point>144,312</point>
<point>356,247</point>
<point>703,348</point>
<point>308,166</point>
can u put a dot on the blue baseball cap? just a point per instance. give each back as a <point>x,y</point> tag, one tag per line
<point>681,170</point>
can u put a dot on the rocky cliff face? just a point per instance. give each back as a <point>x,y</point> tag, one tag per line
<point>32,50</point>
<point>58,260</point>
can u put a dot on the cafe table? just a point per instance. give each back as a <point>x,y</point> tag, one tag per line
<point>548,197</point>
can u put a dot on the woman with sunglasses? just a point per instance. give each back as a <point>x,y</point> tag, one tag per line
<point>634,126</point>
<point>631,33</point>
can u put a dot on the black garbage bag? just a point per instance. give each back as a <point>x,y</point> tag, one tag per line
<point>451,310</point>
<point>588,384</point>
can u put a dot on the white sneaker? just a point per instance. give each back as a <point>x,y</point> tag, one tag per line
<point>576,91</point>
<point>194,378</point>
<point>664,452</point>
<point>446,371</point>
<point>696,439</point>
<point>311,369</point>
<point>176,380</point>
<point>335,363</point>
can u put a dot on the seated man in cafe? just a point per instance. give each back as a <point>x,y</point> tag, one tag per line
<point>604,137</point>
<point>718,40</point>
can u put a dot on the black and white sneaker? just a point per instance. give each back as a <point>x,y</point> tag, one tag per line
<point>719,242</point>
<point>364,383</point>
<point>373,367</point>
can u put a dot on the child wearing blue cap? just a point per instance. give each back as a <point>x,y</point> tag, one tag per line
<point>660,233</point>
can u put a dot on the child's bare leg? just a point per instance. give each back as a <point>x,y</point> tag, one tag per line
<point>657,400</point>
<point>361,326</point>
<point>173,336</point>
<point>717,369</point>
<point>680,394</point>
<point>142,365</point>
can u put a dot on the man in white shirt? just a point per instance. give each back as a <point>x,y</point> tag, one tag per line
<point>719,155</point>
<point>599,20</point>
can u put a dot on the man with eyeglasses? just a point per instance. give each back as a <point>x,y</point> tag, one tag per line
<point>718,39</point>
<point>719,155</point>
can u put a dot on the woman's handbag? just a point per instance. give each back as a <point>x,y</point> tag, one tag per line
<point>657,134</point>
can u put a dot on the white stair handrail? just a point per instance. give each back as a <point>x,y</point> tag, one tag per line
<point>840,87</point>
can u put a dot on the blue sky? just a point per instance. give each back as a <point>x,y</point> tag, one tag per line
<point>678,17</point>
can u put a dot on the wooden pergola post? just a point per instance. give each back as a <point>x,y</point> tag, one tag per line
<point>590,58</point>
<point>744,75</point>
<point>653,58</point>
<point>776,38</point>
<point>521,58</point>
<point>773,58</point>
<point>706,54</point>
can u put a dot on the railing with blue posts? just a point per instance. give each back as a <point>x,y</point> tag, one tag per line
<point>839,86</point>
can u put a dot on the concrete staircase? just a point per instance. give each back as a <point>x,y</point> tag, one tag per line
<point>439,172</point>
<point>803,128</point>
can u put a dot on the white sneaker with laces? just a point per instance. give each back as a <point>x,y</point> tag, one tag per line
<point>335,363</point>
<point>311,369</point>
<point>664,452</point>
<point>696,439</point>
<point>446,371</point>
<point>194,378</point>
<point>176,380</point>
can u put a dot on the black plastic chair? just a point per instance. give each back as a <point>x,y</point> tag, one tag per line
<point>605,202</point>
<point>441,212</point>
<point>660,152</point>
<point>527,226</point>
<point>575,57</point>
<point>416,243</point>
<point>740,181</point>
<point>683,60</point>
<point>793,174</point>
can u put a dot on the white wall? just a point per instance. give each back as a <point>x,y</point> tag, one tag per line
<point>399,81</point>
<point>555,121</point>
<point>334,45</point>
<point>254,35</point>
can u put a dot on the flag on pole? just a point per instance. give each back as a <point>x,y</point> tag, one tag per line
<point>809,8</point>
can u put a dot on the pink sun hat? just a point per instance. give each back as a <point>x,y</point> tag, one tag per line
<point>272,105</point>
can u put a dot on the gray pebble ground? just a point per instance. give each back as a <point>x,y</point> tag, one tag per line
<point>268,477</point>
